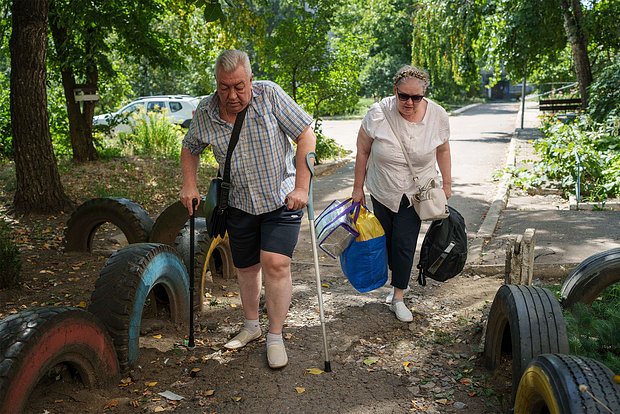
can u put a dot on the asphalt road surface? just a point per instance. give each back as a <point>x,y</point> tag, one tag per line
<point>479,143</point>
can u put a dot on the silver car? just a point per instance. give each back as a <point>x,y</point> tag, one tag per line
<point>179,109</point>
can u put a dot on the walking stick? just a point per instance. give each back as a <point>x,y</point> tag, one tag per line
<point>192,225</point>
<point>315,253</point>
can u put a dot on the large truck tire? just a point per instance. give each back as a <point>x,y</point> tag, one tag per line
<point>128,278</point>
<point>128,216</point>
<point>524,321</point>
<point>586,282</point>
<point>36,340</point>
<point>567,384</point>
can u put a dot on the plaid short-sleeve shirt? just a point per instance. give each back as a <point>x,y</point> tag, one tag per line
<point>263,162</point>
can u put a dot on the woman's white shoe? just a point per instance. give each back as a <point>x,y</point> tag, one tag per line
<point>403,313</point>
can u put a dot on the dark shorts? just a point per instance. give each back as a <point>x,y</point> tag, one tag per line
<point>275,232</point>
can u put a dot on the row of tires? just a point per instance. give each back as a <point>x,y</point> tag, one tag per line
<point>170,227</point>
<point>527,323</point>
<point>103,342</point>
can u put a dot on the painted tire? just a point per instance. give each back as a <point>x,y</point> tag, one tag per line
<point>36,340</point>
<point>125,282</point>
<point>128,216</point>
<point>171,221</point>
<point>585,283</point>
<point>551,384</point>
<point>220,263</point>
<point>524,321</point>
<point>181,243</point>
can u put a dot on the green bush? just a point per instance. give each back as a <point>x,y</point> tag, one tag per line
<point>10,261</point>
<point>605,94</point>
<point>594,331</point>
<point>326,148</point>
<point>6,134</point>
<point>582,148</point>
<point>153,135</point>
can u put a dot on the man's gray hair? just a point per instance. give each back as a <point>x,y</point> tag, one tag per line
<point>229,60</point>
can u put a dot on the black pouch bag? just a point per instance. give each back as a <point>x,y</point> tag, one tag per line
<point>216,220</point>
<point>216,202</point>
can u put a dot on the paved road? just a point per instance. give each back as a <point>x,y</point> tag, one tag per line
<point>479,141</point>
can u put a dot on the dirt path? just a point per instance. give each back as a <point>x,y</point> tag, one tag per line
<point>379,365</point>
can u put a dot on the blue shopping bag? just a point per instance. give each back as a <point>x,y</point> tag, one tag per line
<point>364,262</point>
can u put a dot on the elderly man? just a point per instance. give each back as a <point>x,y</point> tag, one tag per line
<point>270,182</point>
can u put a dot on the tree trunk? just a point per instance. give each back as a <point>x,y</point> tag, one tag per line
<point>573,25</point>
<point>80,121</point>
<point>39,188</point>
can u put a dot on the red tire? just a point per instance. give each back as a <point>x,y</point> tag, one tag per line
<point>34,341</point>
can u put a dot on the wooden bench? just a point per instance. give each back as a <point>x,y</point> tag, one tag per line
<point>557,105</point>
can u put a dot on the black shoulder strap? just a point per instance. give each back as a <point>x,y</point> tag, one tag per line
<point>234,138</point>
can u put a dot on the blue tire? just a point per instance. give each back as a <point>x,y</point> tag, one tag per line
<point>126,281</point>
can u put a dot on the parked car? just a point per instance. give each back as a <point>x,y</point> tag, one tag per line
<point>179,109</point>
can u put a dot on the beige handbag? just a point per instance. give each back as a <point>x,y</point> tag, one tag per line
<point>430,203</point>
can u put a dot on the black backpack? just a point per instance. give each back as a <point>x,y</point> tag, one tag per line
<point>444,249</point>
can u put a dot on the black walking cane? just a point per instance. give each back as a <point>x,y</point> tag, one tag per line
<point>192,225</point>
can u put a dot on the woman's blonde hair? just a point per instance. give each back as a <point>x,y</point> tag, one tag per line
<point>408,71</point>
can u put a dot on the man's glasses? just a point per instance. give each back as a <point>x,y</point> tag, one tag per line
<point>404,97</point>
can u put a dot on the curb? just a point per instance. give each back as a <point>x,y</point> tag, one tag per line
<point>590,206</point>
<point>463,109</point>
<point>326,169</point>
<point>487,228</point>
<point>542,271</point>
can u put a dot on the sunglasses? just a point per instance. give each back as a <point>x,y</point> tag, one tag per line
<point>404,97</point>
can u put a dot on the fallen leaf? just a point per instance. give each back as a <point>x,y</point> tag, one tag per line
<point>158,336</point>
<point>442,401</point>
<point>325,285</point>
<point>465,381</point>
<point>59,401</point>
<point>407,366</point>
<point>314,371</point>
<point>236,399</point>
<point>233,305</point>
<point>150,383</point>
<point>300,390</point>
<point>125,382</point>
<point>209,393</point>
<point>158,409</point>
<point>370,361</point>
<point>82,304</point>
<point>617,379</point>
<point>110,404</point>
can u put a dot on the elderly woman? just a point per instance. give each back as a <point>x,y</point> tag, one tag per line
<point>424,130</point>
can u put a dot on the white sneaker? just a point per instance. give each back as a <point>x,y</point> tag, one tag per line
<point>402,312</point>
<point>390,295</point>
